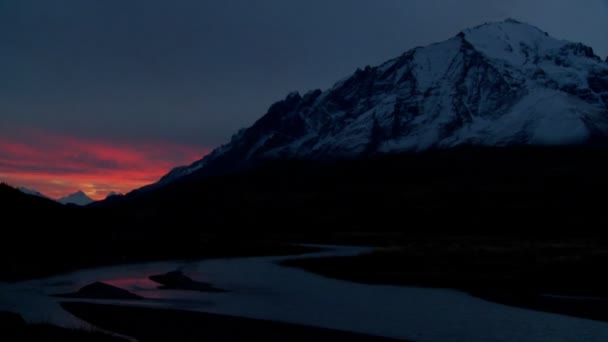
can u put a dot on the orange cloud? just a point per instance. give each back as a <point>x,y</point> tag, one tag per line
<point>57,165</point>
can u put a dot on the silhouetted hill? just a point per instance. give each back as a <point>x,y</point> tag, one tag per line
<point>452,137</point>
<point>12,199</point>
<point>461,190</point>
<point>498,84</point>
<point>41,238</point>
<point>531,192</point>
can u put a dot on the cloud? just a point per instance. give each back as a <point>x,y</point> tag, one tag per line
<point>58,165</point>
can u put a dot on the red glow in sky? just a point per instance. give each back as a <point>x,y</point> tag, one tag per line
<point>57,165</point>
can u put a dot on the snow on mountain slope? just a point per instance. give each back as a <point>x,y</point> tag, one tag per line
<point>31,192</point>
<point>77,198</point>
<point>497,84</point>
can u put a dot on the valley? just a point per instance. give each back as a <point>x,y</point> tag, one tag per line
<point>456,192</point>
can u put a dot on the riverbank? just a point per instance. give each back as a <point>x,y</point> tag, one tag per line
<point>554,275</point>
<point>259,288</point>
<point>155,325</point>
<point>19,266</point>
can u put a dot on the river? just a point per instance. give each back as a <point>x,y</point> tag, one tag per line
<point>258,287</point>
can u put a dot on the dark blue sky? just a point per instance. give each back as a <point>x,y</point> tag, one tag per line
<point>192,72</point>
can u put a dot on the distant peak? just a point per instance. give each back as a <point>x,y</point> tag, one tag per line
<point>78,198</point>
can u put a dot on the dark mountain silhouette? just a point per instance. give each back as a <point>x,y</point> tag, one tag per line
<point>78,198</point>
<point>498,84</point>
<point>497,130</point>
<point>500,125</point>
<point>462,190</point>
<point>13,200</point>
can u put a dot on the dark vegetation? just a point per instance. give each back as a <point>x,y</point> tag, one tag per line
<point>149,325</point>
<point>526,193</point>
<point>464,190</point>
<point>511,225</point>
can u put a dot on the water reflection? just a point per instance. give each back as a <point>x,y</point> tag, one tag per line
<point>260,288</point>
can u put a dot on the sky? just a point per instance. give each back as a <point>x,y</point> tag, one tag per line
<point>109,95</point>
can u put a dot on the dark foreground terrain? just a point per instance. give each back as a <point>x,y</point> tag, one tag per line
<point>14,329</point>
<point>150,325</point>
<point>538,192</point>
<point>463,190</point>
<point>523,226</point>
<point>562,275</point>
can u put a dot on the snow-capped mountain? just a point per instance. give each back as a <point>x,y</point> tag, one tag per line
<point>32,192</point>
<point>497,84</point>
<point>77,198</point>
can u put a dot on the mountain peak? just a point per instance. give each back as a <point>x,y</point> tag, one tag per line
<point>497,84</point>
<point>521,44</point>
<point>77,198</point>
<point>508,24</point>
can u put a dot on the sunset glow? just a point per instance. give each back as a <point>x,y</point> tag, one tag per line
<point>57,166</point>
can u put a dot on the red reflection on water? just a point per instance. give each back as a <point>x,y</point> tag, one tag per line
<point>140,286</point>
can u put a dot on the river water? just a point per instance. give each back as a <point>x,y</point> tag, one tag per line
<point>258,287</point>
